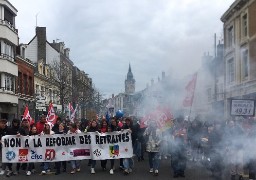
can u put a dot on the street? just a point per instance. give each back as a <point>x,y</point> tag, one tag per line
<point>194,171</point>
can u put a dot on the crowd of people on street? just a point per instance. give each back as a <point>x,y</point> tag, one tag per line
<point>215,144</point>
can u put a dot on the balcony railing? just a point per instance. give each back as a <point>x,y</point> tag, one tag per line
<point>9,25</point>
<point>7,57</point>
<point>6,89</point>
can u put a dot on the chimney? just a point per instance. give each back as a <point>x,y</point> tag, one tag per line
<point>41,40</point>
<point>113,95</point>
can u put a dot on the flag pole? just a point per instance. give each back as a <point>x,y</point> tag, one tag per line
<point>193,97</point>
<point>69,107</point>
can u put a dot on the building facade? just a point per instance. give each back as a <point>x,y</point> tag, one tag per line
<point>240,51</point>
<point>43,55</point>
<point>8,68</point>
<point>25,82</point>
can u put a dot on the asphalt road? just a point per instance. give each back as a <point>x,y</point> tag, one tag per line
<point>194,171</point>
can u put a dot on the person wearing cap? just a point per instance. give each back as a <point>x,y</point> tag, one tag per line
<point>4,130</point>
<point>40,124</point>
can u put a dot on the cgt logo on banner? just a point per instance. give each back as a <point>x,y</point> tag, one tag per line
<point>50,154</point>
<point>23,155</point>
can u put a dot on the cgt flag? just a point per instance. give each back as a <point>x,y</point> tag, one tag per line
<point>51,117</point>
<point>190,91</point>
<point>27,116</point>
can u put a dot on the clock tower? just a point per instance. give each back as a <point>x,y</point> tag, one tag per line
<point>129,82</point>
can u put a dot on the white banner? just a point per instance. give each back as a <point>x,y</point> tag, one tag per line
<point>60,147</point>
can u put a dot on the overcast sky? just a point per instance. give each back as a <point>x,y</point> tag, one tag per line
<point>106,35</point>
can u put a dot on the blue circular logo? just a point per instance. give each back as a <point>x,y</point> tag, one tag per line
<point>10,155</point>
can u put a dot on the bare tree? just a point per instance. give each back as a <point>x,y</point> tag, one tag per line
<point>61,73</point>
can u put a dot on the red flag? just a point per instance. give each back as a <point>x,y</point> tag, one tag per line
<point>161,115</point>
<point>27,116</point>
<point>190,91</point>
<point>51,117</point>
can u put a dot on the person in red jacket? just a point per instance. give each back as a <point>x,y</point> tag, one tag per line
<point>40,124</point>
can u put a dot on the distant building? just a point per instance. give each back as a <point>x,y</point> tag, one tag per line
<point>129,82</point>
<point>8,67</point>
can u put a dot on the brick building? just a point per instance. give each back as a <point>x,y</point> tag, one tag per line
<point>25,81</point>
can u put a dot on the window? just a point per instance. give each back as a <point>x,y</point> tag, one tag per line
<point>20,82</point>
<point>23,52</point>
<point>25,84</point>
<point>37,90</point>
<point>230,36</point>
<point>244,26</point>
<point>30,86</point>
<point>8,51</point>
<point>40,69</point>
<point>231,70</point>
<point>9,82</point>
<point>245,64</point>
<point>42,91</point>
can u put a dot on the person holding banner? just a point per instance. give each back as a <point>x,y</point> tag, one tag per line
<point>93,128</point>
<point>103,129</point>
<point>47,131</point>
<point>4,130</point>
<point>153,137</point>
<point>31,165</point>
<point>75,164</point>
<point>128,162</point>
<point>112,128</point>
<point>15,129</point>
<point>61,130</point>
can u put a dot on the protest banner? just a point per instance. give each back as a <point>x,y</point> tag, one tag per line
<point>59,147</point>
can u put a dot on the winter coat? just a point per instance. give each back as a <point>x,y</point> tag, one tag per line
<point>153,139</point>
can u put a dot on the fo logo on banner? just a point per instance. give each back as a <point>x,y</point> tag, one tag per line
<point>23,155</point>
<point>114,150</point>
<point>50,154</point>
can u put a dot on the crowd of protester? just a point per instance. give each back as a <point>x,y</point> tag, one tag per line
<point>216,144</point>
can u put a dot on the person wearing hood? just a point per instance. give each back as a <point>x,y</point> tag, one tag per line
<point>153,137</point>
<point>46,131</point>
